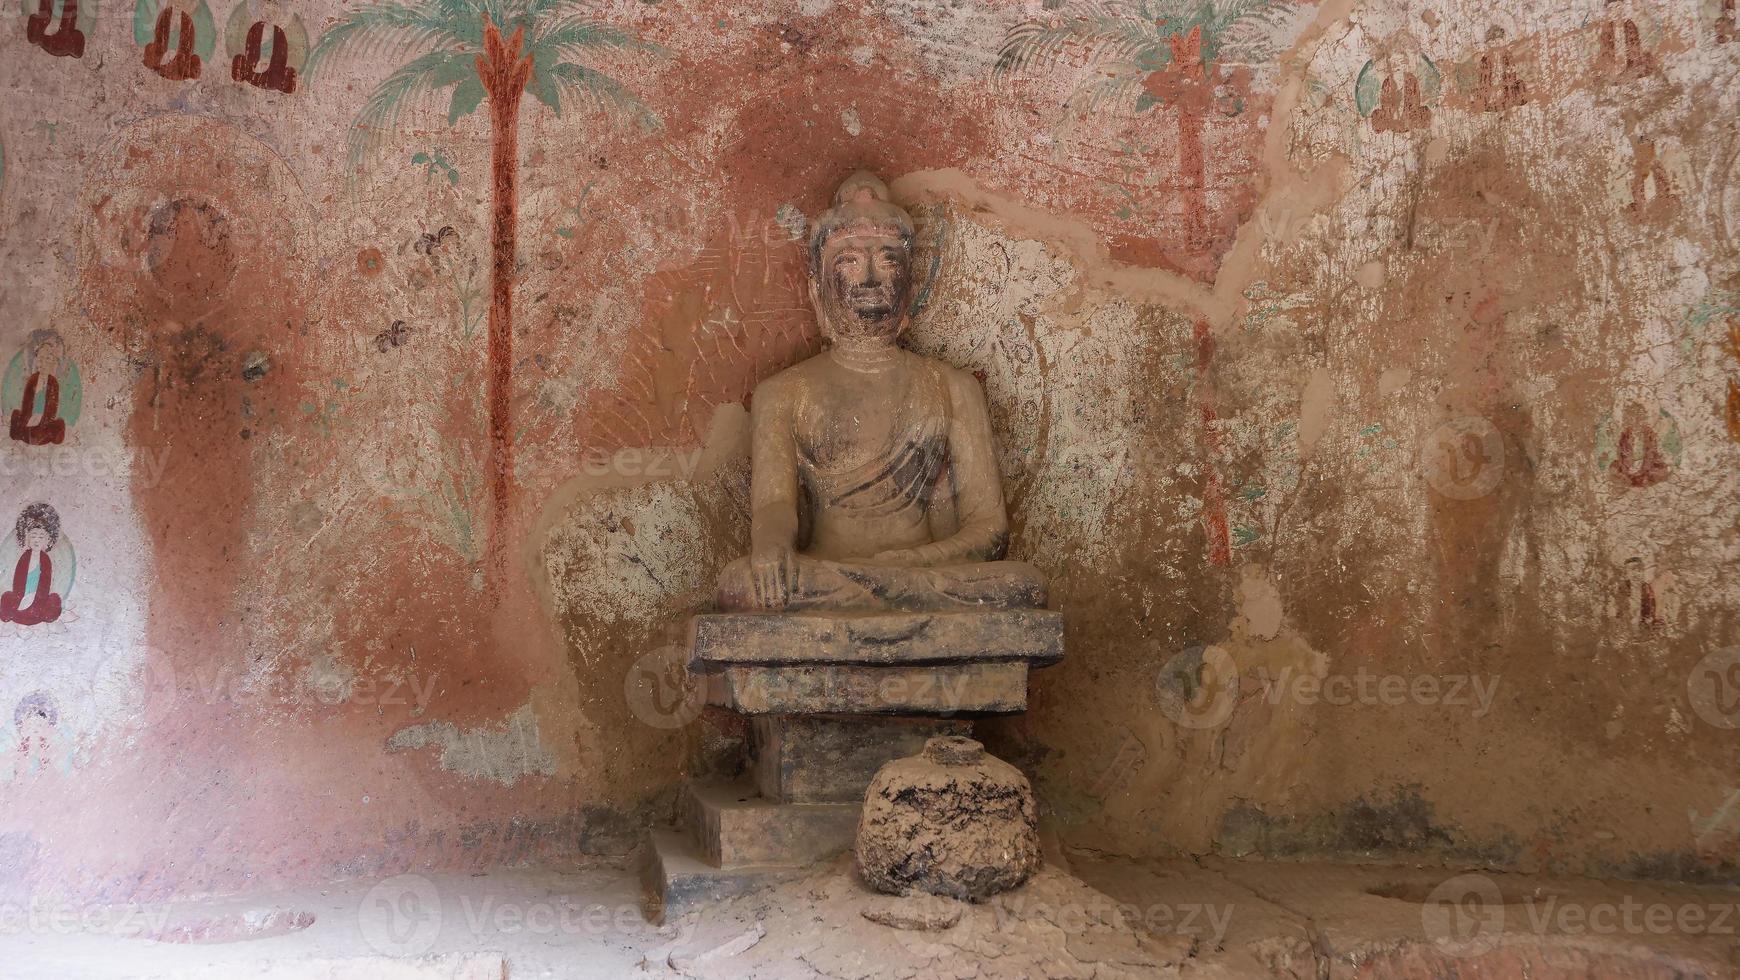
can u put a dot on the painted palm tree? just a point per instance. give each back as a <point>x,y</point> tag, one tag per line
<point>1188,54</point>
<point>482,51</point>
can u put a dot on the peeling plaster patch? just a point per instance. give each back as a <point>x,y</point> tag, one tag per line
<point>1315,409</point>
<point>1060,384</point>
<point>1393,380</point>
<point>1259,602</point>
<point>504,754</point>
<point>624,553</point>
<point>849,118</point>
<point>328,681</point>
<point>959,42</point>
<point>789,217</point>
<point>1723,822</point>
<point>1088,457</point>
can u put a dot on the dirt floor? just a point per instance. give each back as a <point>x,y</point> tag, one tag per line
<point>1082,916</point>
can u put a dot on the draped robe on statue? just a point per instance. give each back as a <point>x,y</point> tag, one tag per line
<point>905,491</point>
<point>31,599</point>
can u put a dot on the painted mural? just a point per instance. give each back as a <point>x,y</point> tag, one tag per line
<point>480,52</point>
<point>267,50</point>
<point>59,27</point>
<point>1395,93</point>
<point>176,38</point>
<point>37,743</point>
<point>43,390</point>
<point>43,569</point>
<point>1192,62</point>
<point>406,415</point>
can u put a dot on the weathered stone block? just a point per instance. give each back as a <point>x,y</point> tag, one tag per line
<point>955,689</point>
<point>737,827</point>
<point>675,876</point>
<point>831,758</point>
<point>722,640</point>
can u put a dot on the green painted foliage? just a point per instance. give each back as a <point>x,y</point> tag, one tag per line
<point>1124,41</point>
<point>444,39</point>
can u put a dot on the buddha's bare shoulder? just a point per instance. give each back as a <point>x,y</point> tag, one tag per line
<point>961,383</point>
<point>791,381</point>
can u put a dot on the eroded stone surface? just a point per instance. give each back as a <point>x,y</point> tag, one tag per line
<point>875,479</point>
<point>1035,635</point>
<point>738,828</point>
<point>951,821</point>
<point>984,688</point>
<point>831,759</point>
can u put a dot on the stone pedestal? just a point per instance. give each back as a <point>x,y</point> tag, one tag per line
<point>831,758</point>
<point>832,698</point>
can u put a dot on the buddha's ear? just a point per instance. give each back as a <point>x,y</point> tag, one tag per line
<point>816,304</point>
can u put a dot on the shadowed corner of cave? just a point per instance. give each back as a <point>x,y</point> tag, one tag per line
<point>914,490</point>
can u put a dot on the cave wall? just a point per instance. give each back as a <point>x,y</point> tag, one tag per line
<point>1471,417</point>
<point>1335,350</point>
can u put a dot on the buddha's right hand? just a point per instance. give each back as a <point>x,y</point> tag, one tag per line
<point>773,567</point>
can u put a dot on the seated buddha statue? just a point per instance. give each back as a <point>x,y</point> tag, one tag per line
<point>874,478</point>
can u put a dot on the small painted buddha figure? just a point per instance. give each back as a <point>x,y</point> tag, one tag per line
<point>37,420</point>
<point>31,599</point>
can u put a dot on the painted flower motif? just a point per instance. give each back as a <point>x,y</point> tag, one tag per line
<point>370,262</point>
<point>444,256</point>
<point>437,243</point>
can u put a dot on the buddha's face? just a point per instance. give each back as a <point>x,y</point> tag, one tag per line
<point>190,252</point>
<point>36,539</point>
<point>35,724</point>
<point>865,284</point>
<point>48,355</point>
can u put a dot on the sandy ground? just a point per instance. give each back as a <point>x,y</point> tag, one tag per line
<point>1080,917</point>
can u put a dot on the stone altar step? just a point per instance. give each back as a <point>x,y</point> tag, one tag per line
<point>734,826</point>
<point>675,876</point>
<point>729,838</point>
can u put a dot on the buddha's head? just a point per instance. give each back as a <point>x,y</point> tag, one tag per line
<point>861,262</point>
<point>36,715</point>
<point>191,252</point>
<point>38,528</point>
<point>46,350</point>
